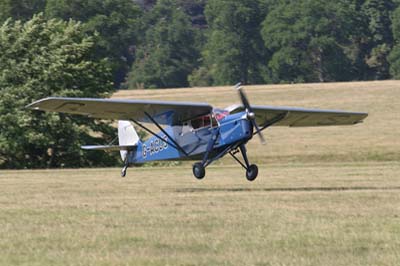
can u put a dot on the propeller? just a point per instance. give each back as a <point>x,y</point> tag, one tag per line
<point>250,114</point>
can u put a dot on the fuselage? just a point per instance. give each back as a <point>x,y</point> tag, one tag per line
<point>193,137</point>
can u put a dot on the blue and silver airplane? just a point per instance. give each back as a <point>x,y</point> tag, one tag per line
<point>191,131</point>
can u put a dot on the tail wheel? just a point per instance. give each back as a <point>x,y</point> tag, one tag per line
<point>252,172</point>
<point>199,171</point>
<point>123,171</point>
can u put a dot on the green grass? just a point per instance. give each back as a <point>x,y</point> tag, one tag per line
<point>294,214</point>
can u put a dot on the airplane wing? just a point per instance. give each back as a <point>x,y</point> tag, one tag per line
<point>163,112</point>
<point>301,117</point>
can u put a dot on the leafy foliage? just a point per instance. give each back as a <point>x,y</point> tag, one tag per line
<point>20,9</point>
<point>115,21</point>
<point>380,37</point>
<point>165,43</point>
<point>307,39</point>
<point>167,53</point>
<point>234,51</point>
<point>394,57</point>
<point>43,58</point>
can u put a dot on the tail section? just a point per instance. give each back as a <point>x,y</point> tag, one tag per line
<point>128,140</point>
<point>127,136</point>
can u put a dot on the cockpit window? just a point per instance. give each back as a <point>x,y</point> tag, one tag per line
<point>197,123</point>
<point>221,115</point>
<point>204,121</point>
<point>207,121</point>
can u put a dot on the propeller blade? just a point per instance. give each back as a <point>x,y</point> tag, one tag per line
<point>258,132</point>
<point>244,99</point>
<point>249,111</point>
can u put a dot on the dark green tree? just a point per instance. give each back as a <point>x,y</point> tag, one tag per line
<point>21,9</point>
<point>167,53</point>
<point>380,38</point>
<point>43,58</point>
<point>195,10</point>
<point>394,57</point>
<point>116,22</point>
<point>308,41</point>
<point>235,50</point>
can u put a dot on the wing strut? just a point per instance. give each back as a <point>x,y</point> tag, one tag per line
<point>165,132</point>
<point>274,121</point>
<point>174,144</point>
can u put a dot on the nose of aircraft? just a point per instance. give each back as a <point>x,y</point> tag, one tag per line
<point>250,114</point>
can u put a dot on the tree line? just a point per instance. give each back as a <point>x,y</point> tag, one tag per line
<point>90,48</point>
<point>165,43</point>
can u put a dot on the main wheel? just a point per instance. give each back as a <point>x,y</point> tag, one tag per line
<point>199,171</point>
<point>252,172</point>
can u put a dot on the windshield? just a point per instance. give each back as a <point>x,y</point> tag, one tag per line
<point>220,114</point>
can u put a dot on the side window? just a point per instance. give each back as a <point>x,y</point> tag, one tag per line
<point>197,123</point>
<point>207,121</point>
<point>214,122</point>
<point>204,121</point>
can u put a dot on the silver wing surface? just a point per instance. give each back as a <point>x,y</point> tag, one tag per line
<point>163,112</point>
<point>301,117</point>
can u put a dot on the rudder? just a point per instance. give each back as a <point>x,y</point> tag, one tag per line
<point>127,136</point>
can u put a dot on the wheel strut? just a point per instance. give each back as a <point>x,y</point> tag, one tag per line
<point>126,165</point>
<point>251,170</point>
<point>199,170</point>
<point>123,171</point>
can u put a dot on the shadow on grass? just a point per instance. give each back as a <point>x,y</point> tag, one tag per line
<point>289,189</point>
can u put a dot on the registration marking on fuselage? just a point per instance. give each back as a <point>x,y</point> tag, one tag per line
<point>155,146</point>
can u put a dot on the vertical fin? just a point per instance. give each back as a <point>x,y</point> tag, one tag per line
<point>126,136</point>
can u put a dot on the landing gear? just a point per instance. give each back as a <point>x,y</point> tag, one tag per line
<point>199,171</point>
<point>123,171</point>
<point>126,164</point>
<point>252,172</point>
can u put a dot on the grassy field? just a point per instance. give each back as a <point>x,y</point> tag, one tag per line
<point>324,196</point>
<point>296,214</point>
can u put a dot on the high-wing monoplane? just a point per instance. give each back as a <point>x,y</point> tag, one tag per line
<point>192,131</point>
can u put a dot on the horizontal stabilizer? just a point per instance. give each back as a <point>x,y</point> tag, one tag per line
<point>110,147</point>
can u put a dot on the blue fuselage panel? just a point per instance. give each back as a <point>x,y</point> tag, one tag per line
<point>232,129</point>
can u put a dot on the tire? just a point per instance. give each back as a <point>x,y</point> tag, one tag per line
<point>252,172</point>
<point>199,171</point>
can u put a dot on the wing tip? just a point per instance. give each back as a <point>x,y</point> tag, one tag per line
<point>363,116</point>
<point>35,105</point>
